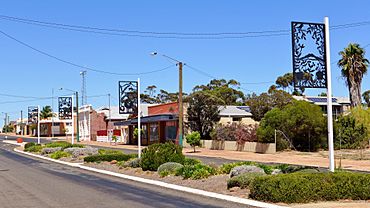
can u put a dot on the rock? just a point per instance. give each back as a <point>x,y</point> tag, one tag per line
<point>49,150</point>
<point>245,169</point>
<point>113,162</point>
<point>276,172</point>
<point>77,152</point>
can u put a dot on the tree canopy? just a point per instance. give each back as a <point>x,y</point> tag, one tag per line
<point>226,90</point>
<point>261,104</point>
<point>353,66</point>
<point>302,122</point>
<point>203,112</point>
<point>46,112</point>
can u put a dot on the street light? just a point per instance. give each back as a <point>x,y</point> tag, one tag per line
<point>77,119</point>
<point>181,108</point>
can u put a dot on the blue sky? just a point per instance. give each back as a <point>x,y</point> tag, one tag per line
<point>27,73</point>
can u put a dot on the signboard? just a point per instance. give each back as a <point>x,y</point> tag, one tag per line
<point>309,55</point>
<point>128,97</point>
<point>33,114</point>
<point>65,108</point>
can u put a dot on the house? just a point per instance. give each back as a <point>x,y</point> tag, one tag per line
<point>229,114</point>
<point>340,104</point>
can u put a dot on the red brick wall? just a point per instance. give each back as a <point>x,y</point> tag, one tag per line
<point>97,123</point>
<point>168,108</point>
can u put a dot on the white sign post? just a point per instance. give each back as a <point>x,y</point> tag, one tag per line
<point>138,118</point>
<point>329,100</point>
<point>73,123</point>
<point>38,124</point>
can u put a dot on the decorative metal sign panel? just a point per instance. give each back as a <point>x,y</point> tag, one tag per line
<point>309,55</point>
<point>65,107</point>
<point>128,100</point>
<point>33,114</point>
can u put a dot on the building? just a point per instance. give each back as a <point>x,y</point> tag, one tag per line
<point>340,104</point>
<point>98,125</point>
<point>162,122</point>
<point>229,114</point>
<point>160,125</point>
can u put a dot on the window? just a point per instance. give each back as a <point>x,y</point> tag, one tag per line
<point>154,132</point>
<point>237,119</point>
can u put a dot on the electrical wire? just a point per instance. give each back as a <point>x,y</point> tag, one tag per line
<point>170,35</point>
<point>78,65</point>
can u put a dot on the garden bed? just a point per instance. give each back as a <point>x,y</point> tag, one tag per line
<point>271,183</point>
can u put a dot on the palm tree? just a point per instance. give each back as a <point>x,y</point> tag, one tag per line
<point>354,67</point>
<point>366,96</point>
<point>46,112</point>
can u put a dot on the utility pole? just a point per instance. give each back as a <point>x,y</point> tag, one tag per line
<point>138,118</point>
<point>21,122</point>
<point>77,119</point>
<point>181,107</point>
<point>38,125</point>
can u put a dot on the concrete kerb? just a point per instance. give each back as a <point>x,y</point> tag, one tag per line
<point>161,184</point>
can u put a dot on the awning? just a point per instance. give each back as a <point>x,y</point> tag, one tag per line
<point>148,119</point>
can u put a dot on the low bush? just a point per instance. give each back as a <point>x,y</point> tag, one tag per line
<point>109,157</point>
<point>29,144</point>
<point>226,167</point>
<point>59,154</point>
<point>168,168</point>
<point>34,148</point>
<point>156,154</point>
<point>307,187</point>
<point>243,181</point>
<point>132,163</point>
<point>191,161</point>
<point>109,151</point>
<point>197,171</point>
<point>267,168</point>
<point>63,145</point>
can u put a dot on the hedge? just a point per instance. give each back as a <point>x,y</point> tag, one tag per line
<point>109,157</point>
<point>308,187</point>
<point>63,145</point>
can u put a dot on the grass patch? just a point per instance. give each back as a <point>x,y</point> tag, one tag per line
<point>109,157</point>
<point>59,154</point>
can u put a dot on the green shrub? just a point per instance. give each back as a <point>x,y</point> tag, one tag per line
<point>156,154</point>
<point>196,171</point>
<point>34,148</point>
<point>109,157</point>
<point>29,144</point>
<point>109,151</point>
<point>243,180</point>
<point>193,139</point>
<point>59,154</point>
<point>131,163</point>
<point>168,168</point>
<point>226,167</point>
<point>191,161</point>
<point>63,145</point>
<point>307,187</point>
<point>267,168</point>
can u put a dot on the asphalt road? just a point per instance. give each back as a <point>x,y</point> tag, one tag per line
<point>206,160</point>
<point>30,182</point>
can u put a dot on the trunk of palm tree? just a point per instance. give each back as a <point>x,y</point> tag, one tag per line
<point>354,92</point>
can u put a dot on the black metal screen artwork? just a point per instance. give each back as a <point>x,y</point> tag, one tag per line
<point>309,55</point>
<point>33,114</point>
<point>65,108</point>
<point>128,100</point>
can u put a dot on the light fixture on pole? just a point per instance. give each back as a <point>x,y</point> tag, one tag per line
<point>181,105</point>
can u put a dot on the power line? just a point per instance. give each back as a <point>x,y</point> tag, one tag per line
<point>211,76</point>
<point>171,35</point>
<point>80,66</point>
